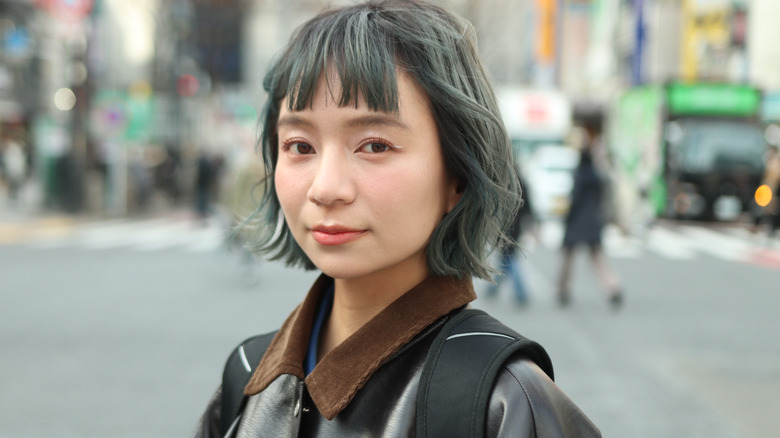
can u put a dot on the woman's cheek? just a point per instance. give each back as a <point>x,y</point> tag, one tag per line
<point>287,187</point>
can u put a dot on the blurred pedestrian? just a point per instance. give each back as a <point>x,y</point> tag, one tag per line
<point>13,164</point>
<point>584,223</point>
<point>141,179</point>
<point>770,212</point>
<point>167,175</point>
<point>388,167</point>
<point>511,252</point>
<point>243,195</point>
<point>206,184</point>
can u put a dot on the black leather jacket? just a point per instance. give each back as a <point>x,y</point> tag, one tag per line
<point>524,403</point>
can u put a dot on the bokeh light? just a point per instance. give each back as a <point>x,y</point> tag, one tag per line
<point>187,85</point>
<point>64,99</point>
<point>763,195</point>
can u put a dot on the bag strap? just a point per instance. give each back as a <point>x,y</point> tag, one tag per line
<point>238,371</point>
<point>458,375</point>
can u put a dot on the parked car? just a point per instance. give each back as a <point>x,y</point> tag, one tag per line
<point>549,176</point>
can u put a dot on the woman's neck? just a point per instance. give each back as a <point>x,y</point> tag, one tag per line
<point>357,301</point>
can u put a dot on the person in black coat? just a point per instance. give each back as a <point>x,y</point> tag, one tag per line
<point>583,226</point>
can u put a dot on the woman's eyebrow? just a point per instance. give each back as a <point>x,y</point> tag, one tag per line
<point>378,119</point>
<point>292,120</point>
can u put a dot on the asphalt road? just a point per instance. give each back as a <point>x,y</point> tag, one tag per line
<point>116,341</point>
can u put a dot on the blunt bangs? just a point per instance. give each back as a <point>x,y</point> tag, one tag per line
<point>363,47</point>
<point>351,48</point>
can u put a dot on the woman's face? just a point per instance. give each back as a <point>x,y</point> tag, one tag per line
<point>363,190</point>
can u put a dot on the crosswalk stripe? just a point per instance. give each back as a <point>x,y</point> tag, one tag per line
<point>668,244</point>
<point>115,234</point>
<point>145,235</point>
<point>210,240</point>
<point>676,242</point>
<point>163,238</point>
<point>617,245</point>
<point>672,241</point>
<point>717,244</point>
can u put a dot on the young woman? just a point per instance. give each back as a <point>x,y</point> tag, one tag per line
<point>389,171</point>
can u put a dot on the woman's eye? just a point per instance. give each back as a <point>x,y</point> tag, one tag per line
<point>375,148</point>
<point>299,148</point>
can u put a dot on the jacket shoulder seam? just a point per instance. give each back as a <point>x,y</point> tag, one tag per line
<point>524,389</point>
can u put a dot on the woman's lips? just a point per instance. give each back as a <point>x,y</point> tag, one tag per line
<point>325,236</point>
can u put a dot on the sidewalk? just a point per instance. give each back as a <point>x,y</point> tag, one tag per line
<point>156,230</point>
<point>22,219</point>
<point>20,223</point>
<point>21,228</point>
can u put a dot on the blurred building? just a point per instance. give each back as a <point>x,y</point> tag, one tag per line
<point>763,55</point>
<point>18,70</point>
<point>92,80</point>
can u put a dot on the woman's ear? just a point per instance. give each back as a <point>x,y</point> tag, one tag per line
<point>453,195</point>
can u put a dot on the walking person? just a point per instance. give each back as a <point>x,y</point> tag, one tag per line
<point>388,167</point>
<point>769,207</point>
<point>584,224</point>
<point>13,165</point>
<point>243,196</point>
<point>511,252</point>
<point>207,179</point>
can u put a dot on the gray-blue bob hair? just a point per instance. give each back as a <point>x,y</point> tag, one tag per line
<point>363,46</point>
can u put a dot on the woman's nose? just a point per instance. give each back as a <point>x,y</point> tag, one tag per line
<point>333,180</point>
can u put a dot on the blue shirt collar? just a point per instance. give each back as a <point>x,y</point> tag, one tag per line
<point>323,311</point>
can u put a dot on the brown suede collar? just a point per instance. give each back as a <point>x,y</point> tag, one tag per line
<point>343,371</point>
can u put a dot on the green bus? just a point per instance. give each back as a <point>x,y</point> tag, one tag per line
<point>686,150</point>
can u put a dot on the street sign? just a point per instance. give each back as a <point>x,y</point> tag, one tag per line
<point>70,10</point>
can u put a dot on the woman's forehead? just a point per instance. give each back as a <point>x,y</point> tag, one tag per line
<point>413,111</point>
<point>333,88</point>
<point>346,84</point>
